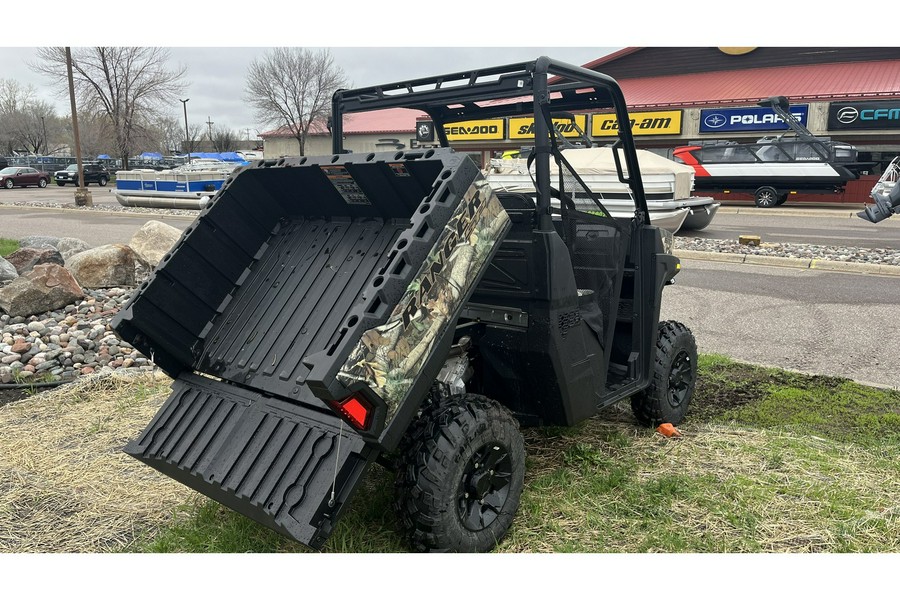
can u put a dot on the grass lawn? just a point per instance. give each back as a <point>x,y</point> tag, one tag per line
<point>770,461</point>
<point>7,247</point>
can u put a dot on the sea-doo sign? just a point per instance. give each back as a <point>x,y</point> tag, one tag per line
<point>471,131</point>
<point>864,115</point>
<point>748,118</point>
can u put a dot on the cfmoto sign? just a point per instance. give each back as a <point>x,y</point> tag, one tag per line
<point>864,115</point>
<point>847,115</point>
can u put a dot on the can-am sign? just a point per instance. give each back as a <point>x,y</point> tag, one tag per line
<point>864,115</point>
<point>666,122</point>
<point>749,118</point>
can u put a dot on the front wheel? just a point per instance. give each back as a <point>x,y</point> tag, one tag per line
<point>766,197</point>
<point>9,184</point>
<point>60,183</point>
<point>460,476</point>
<point>671,387</point>
<point>102,182</point>
<point>42,183</point>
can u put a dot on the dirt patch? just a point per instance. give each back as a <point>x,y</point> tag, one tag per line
<point>721,388</point>
<point>12,395</point>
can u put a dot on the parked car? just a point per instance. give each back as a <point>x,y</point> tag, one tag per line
<point>3,163</point>
<point>93,173</point>
<point>23,176</point>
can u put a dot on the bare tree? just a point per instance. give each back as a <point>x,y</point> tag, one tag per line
<point>224,140</point>
<point>132,86</point>
<point>14,98</point>
<point>195,135</point>
<point>292,88</point>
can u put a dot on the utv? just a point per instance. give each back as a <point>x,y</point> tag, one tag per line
<point>322,313</point>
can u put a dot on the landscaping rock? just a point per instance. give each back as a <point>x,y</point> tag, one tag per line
<point>69,247</point>
<point>7,271</point>
<point>38,241</point>
<point>104,267</point>
<point>25,258</point>
<point>153,240</point>
<point>47,287</point>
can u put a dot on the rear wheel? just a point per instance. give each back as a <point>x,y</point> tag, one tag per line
<point>671,387</point>
<point>782,199</point>
<point>766,197</point>
<point>460,476</point>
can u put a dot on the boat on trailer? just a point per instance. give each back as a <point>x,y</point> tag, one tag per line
<point>189,186</point>
<point>668,186</point>
<point>775,166</point>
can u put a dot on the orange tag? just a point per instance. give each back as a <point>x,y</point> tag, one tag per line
<point>668,430</point>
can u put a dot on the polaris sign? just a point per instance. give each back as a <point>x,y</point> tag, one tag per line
<point>864,115</point>
<point>749,118</point>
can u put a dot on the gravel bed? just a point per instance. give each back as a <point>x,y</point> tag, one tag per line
<point>67,343</point>
<point>108,207</point>
<point>807,251</point>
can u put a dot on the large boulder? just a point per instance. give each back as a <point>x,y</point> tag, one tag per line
<point>153,240</point>
<point>47,287</point>
<point>38,241</point>
<point>104,267</point>
<point>7,271</point>
<point>69,247</point>
<point>26,258</point>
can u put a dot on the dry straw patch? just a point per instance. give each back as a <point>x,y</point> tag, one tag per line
<point>718,488</point>
<point>66,485</point>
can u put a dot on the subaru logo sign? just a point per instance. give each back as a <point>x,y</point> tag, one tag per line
<point>715,120</point>
<point>848,114</point>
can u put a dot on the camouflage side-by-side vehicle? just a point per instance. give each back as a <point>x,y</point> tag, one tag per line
<point>322,313</point>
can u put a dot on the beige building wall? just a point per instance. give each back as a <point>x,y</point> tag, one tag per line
<point>320,145</point>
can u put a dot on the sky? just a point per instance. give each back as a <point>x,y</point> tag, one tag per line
<point>377,42</point>
<point>216,75</point>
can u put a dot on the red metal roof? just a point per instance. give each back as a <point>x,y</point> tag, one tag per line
<point>856,80</point>
<point>389,120</point>
<point>799,83</point>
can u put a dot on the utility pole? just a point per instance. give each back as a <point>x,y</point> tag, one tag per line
<point>44,127</point>
<point>209,124</point>
<point>187,134</point>
<point>82,194</point>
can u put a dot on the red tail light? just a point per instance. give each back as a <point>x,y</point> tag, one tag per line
<point>357,410</point>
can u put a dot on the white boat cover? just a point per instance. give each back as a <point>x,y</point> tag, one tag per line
<point>589,162</point>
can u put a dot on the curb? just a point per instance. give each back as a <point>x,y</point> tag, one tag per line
<point>796,263</point>
<point>845,212</point>
<point>117,213</point>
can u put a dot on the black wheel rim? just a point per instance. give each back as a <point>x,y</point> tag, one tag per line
<point>680,379</point>
<point>485,487</point>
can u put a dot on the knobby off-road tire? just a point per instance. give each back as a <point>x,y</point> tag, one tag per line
<point>674,376</point>
<point>460,476</point>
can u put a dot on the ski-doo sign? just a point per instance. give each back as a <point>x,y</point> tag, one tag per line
<point>864,115</point>
<point>749,118</point>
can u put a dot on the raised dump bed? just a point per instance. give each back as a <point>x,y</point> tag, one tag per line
<point>307,289</point>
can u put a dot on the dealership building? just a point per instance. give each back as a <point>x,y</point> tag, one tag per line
<point>678,96</point>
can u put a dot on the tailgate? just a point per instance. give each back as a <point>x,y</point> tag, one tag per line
<point>277,463</point>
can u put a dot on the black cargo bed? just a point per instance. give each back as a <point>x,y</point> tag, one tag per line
<point>279,300</point>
